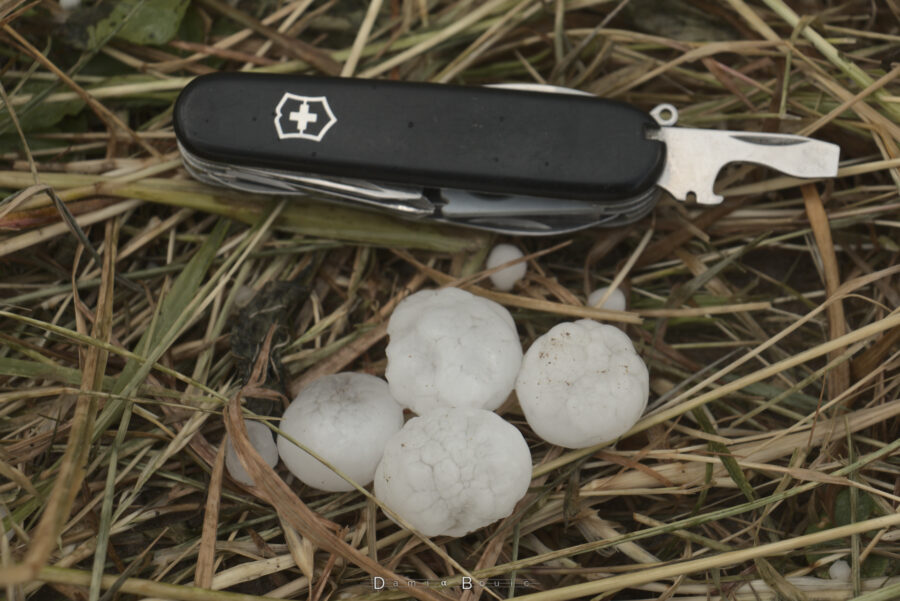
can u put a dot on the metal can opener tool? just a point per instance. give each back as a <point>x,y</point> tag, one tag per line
<point>510,158</point>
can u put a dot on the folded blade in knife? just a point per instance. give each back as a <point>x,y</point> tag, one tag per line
<point>517,160</point>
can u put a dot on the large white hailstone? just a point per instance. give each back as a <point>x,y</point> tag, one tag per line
<point>344,418</point>
<point>582,383</point>
<point>450,348</point>
<point>840,570</point>
<point>453,471</point>
<point>615,302</point>
<point>506,278</point>
<point>263,441</point>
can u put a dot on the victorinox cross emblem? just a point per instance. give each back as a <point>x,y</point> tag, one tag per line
<point>306,117</point>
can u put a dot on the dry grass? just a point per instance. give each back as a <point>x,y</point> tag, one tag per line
<point>770,323</point>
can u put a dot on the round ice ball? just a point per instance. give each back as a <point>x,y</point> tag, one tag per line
<point>615,302</point>
<point>263,441</point>
<point>507,277</point>
<point>582,383</point>
<point>840,570</point>
<point>344,418</point>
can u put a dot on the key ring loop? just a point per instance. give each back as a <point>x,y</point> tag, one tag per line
<point>665,114</point>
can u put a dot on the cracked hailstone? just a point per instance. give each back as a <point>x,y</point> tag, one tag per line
<point>581,384</point>
<point>344,418</point>
<point>450,348</point>
<point>454,470</point>
<point>263,441</point>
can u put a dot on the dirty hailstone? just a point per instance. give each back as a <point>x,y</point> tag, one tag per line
<point>450,348</point>
<point>344,418</point>
<point>581,384</point>
<point>453,471</point>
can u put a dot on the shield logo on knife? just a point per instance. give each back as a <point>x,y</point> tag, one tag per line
<point>305,117</point>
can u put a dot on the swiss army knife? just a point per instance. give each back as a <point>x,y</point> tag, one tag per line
<point>526,159</point>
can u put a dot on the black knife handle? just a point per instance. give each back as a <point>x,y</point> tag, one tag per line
<point>470,138</point>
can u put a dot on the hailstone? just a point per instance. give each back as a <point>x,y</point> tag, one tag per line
<point>615,301</point>
<point>450,348</point>
<point>454,470</point>
<point>263,441</point>
<point>507,277</point>
<point>344,418</point>
<point>840,570</point>
<point>582,383</point>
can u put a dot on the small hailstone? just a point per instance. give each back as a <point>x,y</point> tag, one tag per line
<point>581,384</point>
<point>840,570</point>
<point>615,302</point>
<point>243,295</point>
<point>263,441</point>
<point>451,348</point>
<point>453,471</point>
<point>506,278</point>
<point>344,418</point>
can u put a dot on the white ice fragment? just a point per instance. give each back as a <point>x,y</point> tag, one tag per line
<point>582,383</point>
<point>263,441</point>
<point>615,302</point>
<point>506,278</point>
<point>450,348</point>
<point>344,418</point>
<point>840,570</point>
<point>453,471</point>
